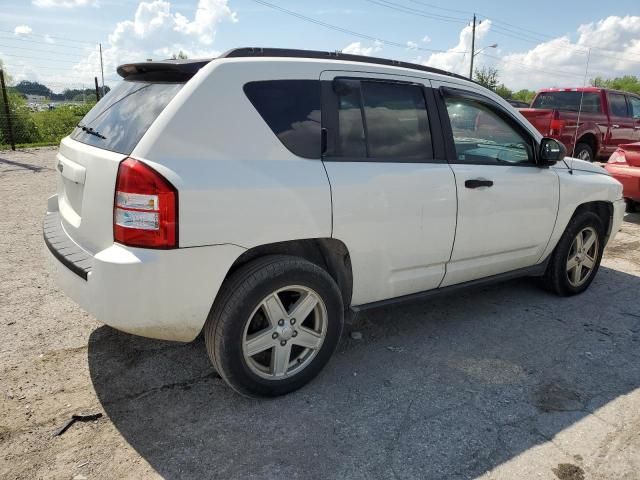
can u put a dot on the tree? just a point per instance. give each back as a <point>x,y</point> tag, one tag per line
<point>179,56</point>
<point>628,83</point>
<point>524,95</point>
<point>504,92</point>
<point>33,88</point>
<point>487,77</point>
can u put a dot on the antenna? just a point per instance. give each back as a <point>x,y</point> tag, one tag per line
<point>584,84</point>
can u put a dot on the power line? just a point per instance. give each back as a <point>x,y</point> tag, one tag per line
<point>38,50</point>
<point>50,36</point>
<point>401,8</point>
<point>69,62</point>
<point>345,30</point>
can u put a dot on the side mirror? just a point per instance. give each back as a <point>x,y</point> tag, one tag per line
<point>551,151</point>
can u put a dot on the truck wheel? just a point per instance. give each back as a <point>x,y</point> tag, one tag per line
<point>632,206</point>
<point>584,152</point>
<point>575,260</point>
<point>274,325</point>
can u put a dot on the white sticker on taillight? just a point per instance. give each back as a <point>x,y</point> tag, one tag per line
<point>134,219</point>
<point>136,200</point>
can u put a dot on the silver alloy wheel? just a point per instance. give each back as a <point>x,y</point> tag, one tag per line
<point>285,332</point>
<point>582,256</point>
<point>584,155</point>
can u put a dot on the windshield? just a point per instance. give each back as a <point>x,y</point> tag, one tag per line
<point>568,101</point>
<point>119,120</point>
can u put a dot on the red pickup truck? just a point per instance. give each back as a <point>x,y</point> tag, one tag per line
<point>608,118</point>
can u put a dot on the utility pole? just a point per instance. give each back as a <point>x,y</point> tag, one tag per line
<point>7,111</point>
<point>97,91</point>
<point>473,46</point>
<point>101,68</point>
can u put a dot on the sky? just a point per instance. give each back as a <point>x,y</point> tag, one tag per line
<point>533,44</point>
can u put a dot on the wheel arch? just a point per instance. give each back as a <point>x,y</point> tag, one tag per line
<point>328,253</point>
<point>590,139</point>
<point>604,210</point>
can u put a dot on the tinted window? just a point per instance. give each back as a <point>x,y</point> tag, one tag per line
<point>395,124</point>
<point>351,139</point>
<point>396,121</point>
<point>635,106</point>
<point>291,108</point>
<point>480,135</point>
<point>122,117</point>
<point>569,101</point>
<point>618,105</point>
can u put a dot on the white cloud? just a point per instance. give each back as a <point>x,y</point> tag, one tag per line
<point>426,39</point>
<point>456,59</point>
<point>63,3</point>
<point>157,32</point>
<point>22,30</point>
<point>358,48</point>
<point>48,39</point>
<point>562,62</point>
<point>412,45</point>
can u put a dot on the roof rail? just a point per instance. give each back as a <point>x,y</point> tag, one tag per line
<point>294,53</point>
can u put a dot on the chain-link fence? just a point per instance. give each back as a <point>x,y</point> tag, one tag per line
<point>41,102</point>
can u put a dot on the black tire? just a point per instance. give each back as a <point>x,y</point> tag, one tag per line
<point>583,150</point>
<point>240,295</point>
<point>632,206</point>
<point>556,278</point>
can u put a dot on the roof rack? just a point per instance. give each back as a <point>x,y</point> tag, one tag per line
<point>294,53</point>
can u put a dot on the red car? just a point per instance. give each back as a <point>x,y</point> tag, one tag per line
<point>624,166</point>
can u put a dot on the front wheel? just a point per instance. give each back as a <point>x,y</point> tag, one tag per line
<point>274,325</point>
<point>584,152</point>
<point>576,259</point>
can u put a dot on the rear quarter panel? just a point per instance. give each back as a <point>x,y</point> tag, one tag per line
<point>237,183</point>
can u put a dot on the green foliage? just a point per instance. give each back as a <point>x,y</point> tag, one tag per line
<point>33,88</point>
<point>487,77</point>
<point>504,92</point>
<point>628,83</point>
<point>179,56</point>
<point>45,128</point>
<point>524,95</point>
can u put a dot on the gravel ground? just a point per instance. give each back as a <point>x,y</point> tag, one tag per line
<point>504,382</point>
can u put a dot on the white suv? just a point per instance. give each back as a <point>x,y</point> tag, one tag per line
<point>259,196</point>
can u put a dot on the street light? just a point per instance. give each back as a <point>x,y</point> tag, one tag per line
<point>473,55</point>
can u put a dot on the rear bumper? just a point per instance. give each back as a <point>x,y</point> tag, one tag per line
<point>163,294</point>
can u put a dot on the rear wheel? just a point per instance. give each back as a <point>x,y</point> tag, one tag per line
<point>274,325</point>
<point>632,206</point>
<point>576,259</point>
<point>583,151</point>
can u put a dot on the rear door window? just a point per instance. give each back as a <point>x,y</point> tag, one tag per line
<point>618,105</point>
<point>635,107</point>
<point>119,120</point>
<point>291,109</point>
<point>382,120</point>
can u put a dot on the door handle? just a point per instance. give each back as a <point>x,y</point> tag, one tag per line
<point>477,183</point>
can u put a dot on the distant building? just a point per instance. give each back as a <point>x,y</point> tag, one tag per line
<point>36,98</point>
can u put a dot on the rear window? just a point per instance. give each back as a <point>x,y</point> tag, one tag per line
<point>569,101</point>
<point>618,105</point>
<point>291,109</point>
<point>119,120</point>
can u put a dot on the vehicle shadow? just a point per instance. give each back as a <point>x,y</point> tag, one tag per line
<point>447,388</point>
<point>632,217</point>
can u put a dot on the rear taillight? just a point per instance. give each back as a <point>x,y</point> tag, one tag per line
<point>145,210</point>
<point>618,157</point>
<point>556,125</point>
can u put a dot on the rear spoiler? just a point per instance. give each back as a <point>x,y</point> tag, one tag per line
<point>164,70</point>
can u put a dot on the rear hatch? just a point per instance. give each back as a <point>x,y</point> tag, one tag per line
<point>88,159</point>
